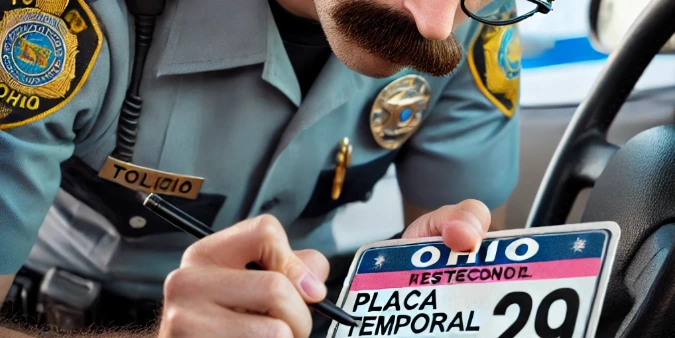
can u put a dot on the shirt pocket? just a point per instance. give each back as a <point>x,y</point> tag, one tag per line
<point>124,208</point>
<point>358,185</point>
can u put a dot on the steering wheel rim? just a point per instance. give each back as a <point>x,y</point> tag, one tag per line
<point>582,157</point>
<point>584,150</point>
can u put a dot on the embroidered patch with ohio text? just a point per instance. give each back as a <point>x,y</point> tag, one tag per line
<point>495,61</point>
<point>48,50</point>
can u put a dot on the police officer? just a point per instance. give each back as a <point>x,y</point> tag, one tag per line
<point>234,110</point>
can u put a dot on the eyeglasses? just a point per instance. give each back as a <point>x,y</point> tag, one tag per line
<point>504,12</point>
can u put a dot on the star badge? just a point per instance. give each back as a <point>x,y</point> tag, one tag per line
<point>579,245</point>
<point>397,111</point>
<point>379,260</point>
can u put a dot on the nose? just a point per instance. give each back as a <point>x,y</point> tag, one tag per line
<point>434,18</point>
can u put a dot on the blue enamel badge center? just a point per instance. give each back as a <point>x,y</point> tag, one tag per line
<point>34,51</point>
<point>509,55</point>
<point>38,54</point>
<point>48,49</point>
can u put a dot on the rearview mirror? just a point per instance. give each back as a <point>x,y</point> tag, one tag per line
<point>611,19</point>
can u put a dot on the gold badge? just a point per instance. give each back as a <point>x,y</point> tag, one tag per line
<point>38,54</point>
<point>495,62</point>
<point>397,111</point>
<point>48,50</point>
<point>148,180</point>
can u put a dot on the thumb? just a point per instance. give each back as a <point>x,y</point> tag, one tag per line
<point>462,226</point>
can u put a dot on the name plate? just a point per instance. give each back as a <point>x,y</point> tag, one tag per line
<point>150,180</point>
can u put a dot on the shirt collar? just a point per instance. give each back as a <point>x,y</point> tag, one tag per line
<point>215,35</point>
<point>218,35</point>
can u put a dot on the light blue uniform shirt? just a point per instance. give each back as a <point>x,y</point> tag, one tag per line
<point>221,101</point>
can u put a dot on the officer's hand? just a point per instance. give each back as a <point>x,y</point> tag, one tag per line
<point>213,295</point>
<point>463,226</point>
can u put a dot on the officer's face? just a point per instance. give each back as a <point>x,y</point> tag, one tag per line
<point>380,37</point>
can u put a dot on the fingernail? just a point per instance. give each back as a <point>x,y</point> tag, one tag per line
<point>479,232</point>
<point>478,229</point>
<point>475,228</point>
<point>311,286</point>
<point>467,228</point>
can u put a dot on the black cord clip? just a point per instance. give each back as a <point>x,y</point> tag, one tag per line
<point>146,7</point>
<point>145,12</point>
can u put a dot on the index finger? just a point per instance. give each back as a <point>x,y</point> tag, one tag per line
<point>261,240</point>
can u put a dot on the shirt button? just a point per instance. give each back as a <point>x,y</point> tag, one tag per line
<point>267,206</point>
<point>137,222</point>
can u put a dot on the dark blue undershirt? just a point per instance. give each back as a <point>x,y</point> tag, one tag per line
<point>305,44</point>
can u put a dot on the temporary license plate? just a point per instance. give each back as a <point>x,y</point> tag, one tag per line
<point>539,282</point>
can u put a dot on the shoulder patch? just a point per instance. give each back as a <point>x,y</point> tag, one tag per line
<point>494,58</point>
<point>48,50</point>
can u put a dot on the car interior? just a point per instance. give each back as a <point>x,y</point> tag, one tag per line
<point>632,184</point>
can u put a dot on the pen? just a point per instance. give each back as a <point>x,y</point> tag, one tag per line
<point>194,227</point>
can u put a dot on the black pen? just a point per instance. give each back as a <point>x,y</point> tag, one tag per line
<point>194,227</point>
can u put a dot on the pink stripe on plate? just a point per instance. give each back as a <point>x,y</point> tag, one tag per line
<point>583,267</point>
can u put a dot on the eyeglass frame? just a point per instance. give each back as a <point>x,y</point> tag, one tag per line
<point>543,6</point>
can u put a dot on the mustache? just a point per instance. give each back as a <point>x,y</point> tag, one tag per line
<point>393,36</point>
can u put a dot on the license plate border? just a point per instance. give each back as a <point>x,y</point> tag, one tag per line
<point>612,228</point>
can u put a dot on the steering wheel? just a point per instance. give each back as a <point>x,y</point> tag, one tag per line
<point>633,185</point>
